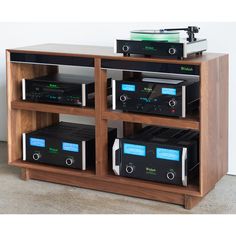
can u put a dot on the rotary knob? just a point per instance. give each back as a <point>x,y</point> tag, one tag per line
<point>69,161</point>
<point>123,98</point>
<point>170,175</point>
<point>125,48</point>
<point>172,102</point>
<point>129,169</point>
<point>172,51</point>
<point>36,156</point>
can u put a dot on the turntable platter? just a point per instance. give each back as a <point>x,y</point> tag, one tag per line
<point>155,35</point>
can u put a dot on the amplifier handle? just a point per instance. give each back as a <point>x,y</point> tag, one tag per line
<point>113,94</point>
<point>115,148</point>
<point>23,89</point>
<point>83,155</point>
<point>24,146</point>
<point>184,172</point>
<point>184,101</point>
<point>83,95</point>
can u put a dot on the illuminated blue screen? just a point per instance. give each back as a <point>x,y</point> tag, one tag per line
<point>167,154</point>
<point>134,149</point>
<point>128,87</point>
<point>70,147</point>
<point>37,142</point>
<point>168,91</point>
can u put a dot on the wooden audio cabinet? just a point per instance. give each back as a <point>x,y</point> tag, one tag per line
<point>211,122</point>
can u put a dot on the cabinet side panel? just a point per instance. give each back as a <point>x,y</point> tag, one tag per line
<point>213,122</point>
<point>224,112</point>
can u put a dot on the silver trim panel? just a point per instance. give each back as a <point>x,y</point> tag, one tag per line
<point>184,158</point>
<point>23,89</point>
<point>113,94</point>
<point>83,95</point>
<point>185,55</point>
<point>195,47</point>
<point>83,155</point>
<point>24,146</point>
<point>184,101</point>
<point>115,147</point>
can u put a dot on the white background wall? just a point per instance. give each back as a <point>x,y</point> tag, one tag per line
<point>221,38</point>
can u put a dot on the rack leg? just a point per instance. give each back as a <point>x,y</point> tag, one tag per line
<point>191,202</point>
<point>25,174</point>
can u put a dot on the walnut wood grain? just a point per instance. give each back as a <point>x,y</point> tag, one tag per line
<point>52,108</point>
<point>213,122</point>
<point>101,124</point>
<point>152,119</point>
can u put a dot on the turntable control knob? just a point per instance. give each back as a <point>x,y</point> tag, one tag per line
<point>129,169</point>
<point>170,175</point>
<point>123,98</point>
<point>36,156</point>
<point>172,51</point>
<point>125,48</point>
<point>172,102</point>
<point>69,161</point>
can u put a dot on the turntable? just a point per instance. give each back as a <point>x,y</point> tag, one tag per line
<point>165,43</point>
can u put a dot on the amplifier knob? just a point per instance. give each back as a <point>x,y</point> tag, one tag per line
<point>69,161</point>
<point>172,102</point>
<point>129,169</point>
<point>125,48</point>
<point>170,175</point>
<point>172,51</point>
<point>123,98</point>
<point>36,156</point>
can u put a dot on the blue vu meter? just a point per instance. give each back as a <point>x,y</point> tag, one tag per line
<point>70,147</point>
<point>167,154</point>
<point>37,142</point>
<point>134,149</point>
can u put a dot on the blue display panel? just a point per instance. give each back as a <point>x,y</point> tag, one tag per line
<point>128,87</point>
<point>168,91</point>
<point>37,142</point>
<point>70,147</point>
<point>167,154</point>
<point>134,149</point>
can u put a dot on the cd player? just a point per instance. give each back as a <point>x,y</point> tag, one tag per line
<point>64,89</point>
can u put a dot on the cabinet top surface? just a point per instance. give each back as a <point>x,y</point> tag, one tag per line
<point>103,52</point>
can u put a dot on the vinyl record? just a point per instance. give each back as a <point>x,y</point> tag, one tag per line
<point>155,35</point>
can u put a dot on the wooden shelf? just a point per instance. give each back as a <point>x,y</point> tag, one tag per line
<point>192,190</point>
<point>60,109</point>
<point>52,169</point>
<point>187,123</point>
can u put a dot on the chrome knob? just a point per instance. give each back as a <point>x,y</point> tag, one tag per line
<point>125,48</point>
<point>170,175</point>
<point>69,161</point>
<point>129,169</point>
<point>36,156</point>
<point>123,98</point>
<point>172,51</point>
<point>172,102</point>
